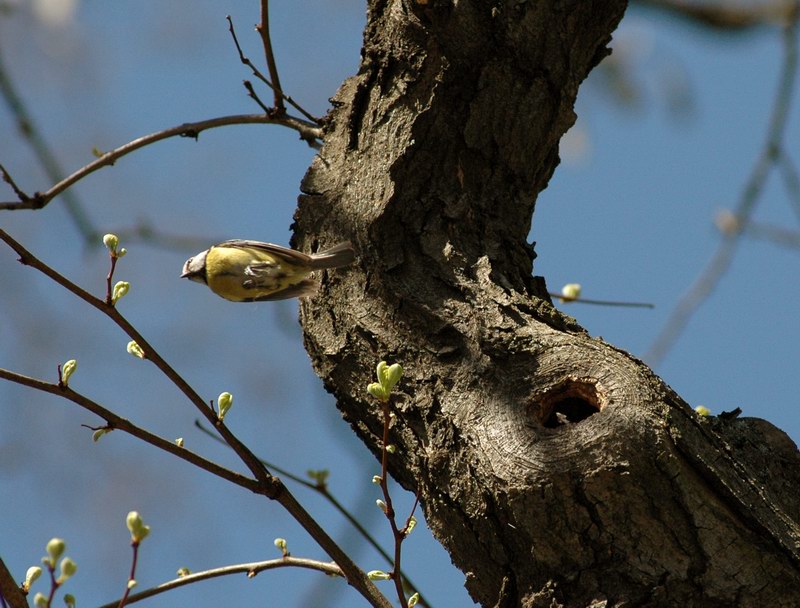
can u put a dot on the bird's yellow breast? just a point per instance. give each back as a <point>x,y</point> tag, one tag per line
<point>228,277</point>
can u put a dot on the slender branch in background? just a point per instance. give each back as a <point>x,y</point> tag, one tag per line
<point>774,234</point>
<point>561,297</point>
<point>250,570</point>
<point>727,16</point>
<point>257,73</point>
<point>44,154</point>
<point>263,29</point>
<point>267,485</point>
<point>791,181</point>
<point>769,157</point>
<point>192,129</point>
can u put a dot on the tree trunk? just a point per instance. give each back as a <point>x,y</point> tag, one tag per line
<point>555,468</point>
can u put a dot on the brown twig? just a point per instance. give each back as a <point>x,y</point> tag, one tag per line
<point>263,29</point>
<point>257,73</point>
<point>579,300</point>
<point>308,132</point>
<point>250,570</point>
<point>709,278</point>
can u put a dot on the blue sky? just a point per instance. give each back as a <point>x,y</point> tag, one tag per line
<point>630,219</point>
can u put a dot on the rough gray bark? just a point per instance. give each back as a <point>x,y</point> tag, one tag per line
<point>555,468</point>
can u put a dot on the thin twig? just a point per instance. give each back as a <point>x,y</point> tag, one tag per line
<point>263,29</point>
<point>308,132</point>
<point>250,570</point>
<point>568,300</point>
<point>118,423</point>
<point>257,73</point>
<point>709,278</point>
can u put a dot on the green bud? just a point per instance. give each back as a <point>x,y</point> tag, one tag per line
<point>702,410</point>
<point>224,403</point>
<point>392,376</point>
<point>31,575</point>
<point>380,371</point>
<point>376,390</point>
<point>184,572</point>
<point>132,583</point>
<point>69,600</point>
<point>320,476</point>
<point>377,479</point>
<point>121,253</point>
<point>120,289</point>
<point>99,433</point>
<point>382,505</point>
<point>391,448</point>
<point>39,600</point>
<point>570,292</point>
<point>413,600</point>
<point>68,568</point>
<point>55,549</point>
<point>179,442</point>
<point>280,543</point>
<point>135,350</point>
<point>67,370</point>
<point>111,241</point>
<point>378,575</point>
<point>136,527</point>
<point>412,523</point>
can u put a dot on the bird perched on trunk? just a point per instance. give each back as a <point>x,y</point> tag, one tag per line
<point>252,271</point>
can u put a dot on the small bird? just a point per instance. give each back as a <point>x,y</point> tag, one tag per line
<point>252,271</point>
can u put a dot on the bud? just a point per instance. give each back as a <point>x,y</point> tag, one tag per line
<point>280,543</point>
<point>377,479</point>
<point>413,600</point>
<point>120,289</point>
<point>702,410</point>
<point>99,433</point>
<point>570,292</point>
<point>382,505</point>
<point>135,350</point>
<point>121,253</point>
<point>136,527</point>
<point>392,376</point>
<point>69,600</point>
<point>224,403</point>
<point>412,523</point>
<point>39,600</point>
<point>111,241</point>
<point>183,572</point>
<point>391,448</point>
<point>132,583</point>
<point>67,370</point>
<point>55,549</point>
<point>376,390</point>
<point>68,568</point>
<point>31,575</point>
<point>378,575</point>
<point>179,442</point>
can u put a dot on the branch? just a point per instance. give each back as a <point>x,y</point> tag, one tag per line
<point>116,422</point>
<point>724,16</point>
<point>257,73</point>
<point>308,132</point>
<point>263,29</point>
<point>771,154</point>
<point>251,570</point>
<point>269,486</point>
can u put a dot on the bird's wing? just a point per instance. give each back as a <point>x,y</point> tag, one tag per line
<point>283,253</point>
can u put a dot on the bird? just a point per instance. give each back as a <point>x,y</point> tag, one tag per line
<point>252,271</point>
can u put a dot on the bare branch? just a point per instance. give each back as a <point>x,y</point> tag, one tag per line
<point>263,29</point>
<point>10,591</point>
<point>308,132</point>
<point>119,423</point>
<point>250,570</point>
<point>257,73</point>
<point>725,16</point>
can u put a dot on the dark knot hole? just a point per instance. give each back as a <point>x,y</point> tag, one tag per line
<point>569,402</point>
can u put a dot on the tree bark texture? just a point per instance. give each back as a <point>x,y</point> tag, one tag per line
<point>556,469</point>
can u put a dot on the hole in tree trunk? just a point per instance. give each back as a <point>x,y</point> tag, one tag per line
<point>569,402</point>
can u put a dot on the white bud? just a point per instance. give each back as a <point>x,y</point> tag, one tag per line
<point>224,403</point>
<point>135,350</point>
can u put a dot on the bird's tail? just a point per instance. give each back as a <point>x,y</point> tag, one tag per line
<point>335,257</point>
